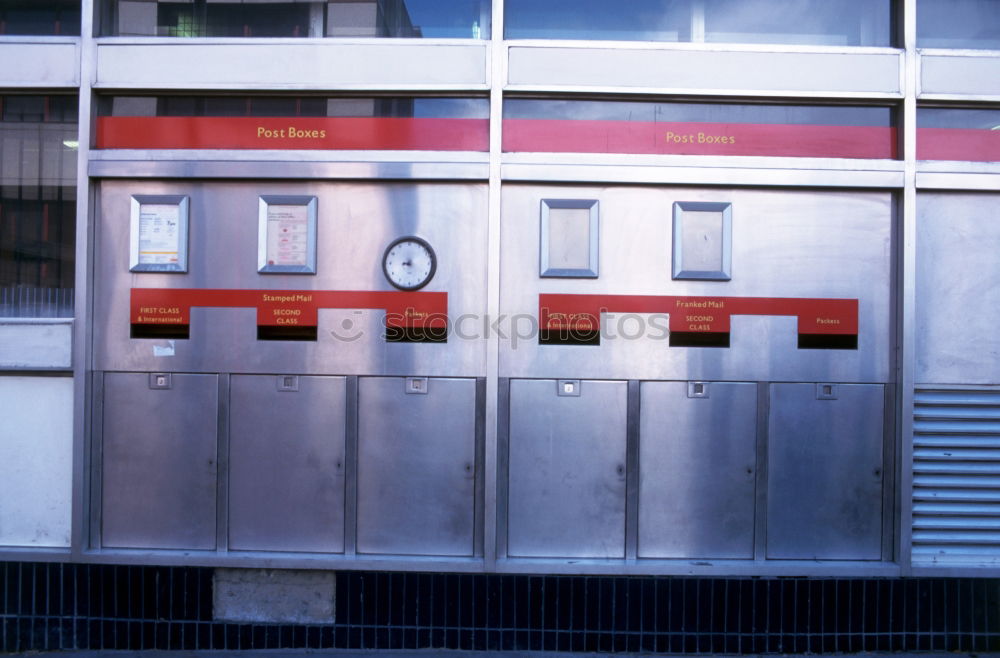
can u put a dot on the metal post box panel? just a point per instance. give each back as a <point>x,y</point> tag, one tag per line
<point>697,464</point>
<point>159,454</point>
<point>229,313</point>
<point>286,463</point>
<point>957,289</point>
<point>566,485</point>
<point>825,465</point>
<point>416,466</point>
<point>788,285</point>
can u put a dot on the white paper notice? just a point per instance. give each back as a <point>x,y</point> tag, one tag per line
<point>159,234</point>
<point>287,235</point>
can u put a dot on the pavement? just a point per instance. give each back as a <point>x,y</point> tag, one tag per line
<point>439,653</point>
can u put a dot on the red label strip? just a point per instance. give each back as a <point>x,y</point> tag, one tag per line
<point>289,308</point>
<point>654,137</point>
<point>958,144</point>
<point>698,314</point>
<point>341,133</point>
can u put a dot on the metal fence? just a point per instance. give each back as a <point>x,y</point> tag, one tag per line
<point>49,606</point>
<point>20,301</point>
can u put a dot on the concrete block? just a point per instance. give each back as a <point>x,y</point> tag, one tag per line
<point>274,596</point>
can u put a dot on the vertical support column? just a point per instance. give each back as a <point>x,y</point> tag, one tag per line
<point>497,76</point>
<point>82,283</point>
<point>907,294</point>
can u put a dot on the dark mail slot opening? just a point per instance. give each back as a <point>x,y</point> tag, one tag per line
<point>285,333</point>
<point>569,337</point>
<point>828,341</point>
<point>416,334</point>
<point>172,331</point>
<point>699,339</point>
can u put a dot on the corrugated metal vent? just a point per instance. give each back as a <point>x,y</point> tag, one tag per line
<point>956,477</point>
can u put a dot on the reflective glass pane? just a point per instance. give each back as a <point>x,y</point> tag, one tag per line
<point>815,22</point>
<point>464,19</point>
<point>958,24</point>
<point>38,150</point>
<point>636,20</point>
<point>958,134</point>
<point>812,22</point>
<point>698,128</point>
<point>40,17</point>
<point>294,106</point>
<point>293,122</point>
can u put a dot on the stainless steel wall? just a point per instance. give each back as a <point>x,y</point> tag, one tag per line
<point>956,422</point>
<point>759,449</point>
<point>786,243</point>
<point>356,222</point>
<point>911,239</point>
<point>277,445</point>
<point>358,449</point>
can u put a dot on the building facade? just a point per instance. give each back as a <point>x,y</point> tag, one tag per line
<point>666,295</point>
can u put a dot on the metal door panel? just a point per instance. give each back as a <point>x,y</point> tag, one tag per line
<point>160,449</point>
<point>697,464</point>
<point>824,495</point>
<point>787,243</point>
<point>567,470</point>
<point>957,289</point>
<point>286,463</point>
<point>416,466</point>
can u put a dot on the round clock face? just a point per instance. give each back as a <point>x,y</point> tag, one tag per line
<point>409,263</point>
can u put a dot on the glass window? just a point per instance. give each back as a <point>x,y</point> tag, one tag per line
<point>591,126</point>
<point>958,24</point>
<point>958,134</point>
<point>810,22</point>
<point>288,122</point>
<point>38,151</point>
<point>462,19</point>
<point>294,106</point>
<point>40,17</point>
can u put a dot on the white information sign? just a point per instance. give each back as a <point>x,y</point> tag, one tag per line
<point>287,235</point>
<point>159,234</point>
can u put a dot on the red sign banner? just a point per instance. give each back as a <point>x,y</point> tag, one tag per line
<point>656,137</point>
<point>289,308</point>
<point>325,133</point>
<point>698,314</point>
<point>958,144</point>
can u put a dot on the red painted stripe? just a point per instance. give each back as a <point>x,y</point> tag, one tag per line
<point>698,314</point>
<point>341,133</point>
<point>958,144</point>
<point>652,137</point>
<point>172,306</point>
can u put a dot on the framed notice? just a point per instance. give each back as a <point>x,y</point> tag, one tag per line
<point>286,235</point>
<point>703,241</point>
<point>159,234</point>
<point>569,241</point>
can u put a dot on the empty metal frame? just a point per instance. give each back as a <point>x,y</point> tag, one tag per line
<point>286,235</point>
<point>703,240</point>
<point>570,238</point>
<point>158,233</point>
